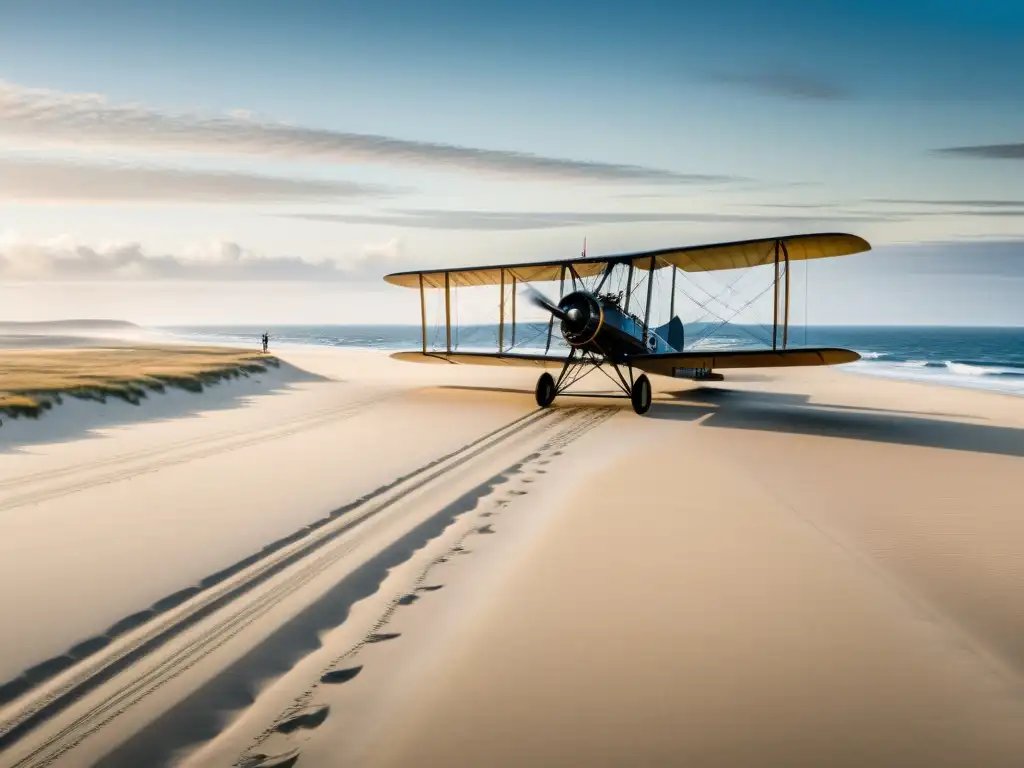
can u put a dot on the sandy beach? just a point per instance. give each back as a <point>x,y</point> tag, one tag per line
<point>350,560</point>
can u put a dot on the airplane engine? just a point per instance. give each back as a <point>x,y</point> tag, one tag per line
<point>583,317</point>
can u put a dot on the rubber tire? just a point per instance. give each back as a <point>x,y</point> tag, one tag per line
<point>641,395</point>
<point>545,392</point>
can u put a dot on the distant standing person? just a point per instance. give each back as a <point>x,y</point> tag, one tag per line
<point>266,342</point>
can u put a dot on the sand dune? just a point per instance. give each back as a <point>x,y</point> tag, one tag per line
<point>389,564</point>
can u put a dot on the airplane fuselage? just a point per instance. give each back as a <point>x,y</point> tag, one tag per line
<point>597,323</point>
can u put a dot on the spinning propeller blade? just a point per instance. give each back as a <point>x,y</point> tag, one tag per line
<point>538,299</point>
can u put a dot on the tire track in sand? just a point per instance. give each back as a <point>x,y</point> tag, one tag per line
<point>281,743</point>
<point>118,678</point>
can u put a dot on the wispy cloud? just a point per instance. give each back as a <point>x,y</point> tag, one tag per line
<point>952,203</point>
<point>44,117</point>
<point>64,259</point>
<point>1002,258</point>
<point>783,83</point>
<point>959,208</point>
<point>67,181</point>
<point>987,151</point>
<point>527,220</point>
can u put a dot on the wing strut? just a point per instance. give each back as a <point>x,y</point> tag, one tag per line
<point>513,311</point>
<point>423,315</point>
<point>775,308</point>
<point>501,315</point>
<point>672,298</point>
<point>785,316</point>
<point>629,286</point>
<point>448,312</point>
<point>650,287</point>
<point>551,321</point>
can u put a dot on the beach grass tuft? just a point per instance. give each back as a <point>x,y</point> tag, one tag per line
<point>32,381</point>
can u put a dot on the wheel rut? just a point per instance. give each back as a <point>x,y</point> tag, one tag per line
<point>51,724</point>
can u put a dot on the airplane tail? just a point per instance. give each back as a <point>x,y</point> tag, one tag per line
<point>672,332</point>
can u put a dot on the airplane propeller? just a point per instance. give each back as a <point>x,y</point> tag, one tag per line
<point>538,299</point>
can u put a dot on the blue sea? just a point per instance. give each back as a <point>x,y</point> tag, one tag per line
<point>985,358</point>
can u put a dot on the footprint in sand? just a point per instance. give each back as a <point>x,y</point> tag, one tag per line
<point>341,675</point>
<point>284,760</point>
<point>431,588</point>
<point>488,514</point>
<point>311,717</point>
<point>517,493</point>
<point>380,637</point>
<point>485,529</point>
<point>408,599</point>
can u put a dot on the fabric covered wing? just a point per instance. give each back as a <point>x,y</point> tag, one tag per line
<point>666,364</point>
<point>694,258</point>
<point>482,358</point>
<point>755,253</point>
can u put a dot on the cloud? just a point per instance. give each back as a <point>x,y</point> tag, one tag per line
<point>953,203</point>
<point>781,83</point>
<point>63,259</point>
<point>979,258</point>
<point>57,180</point>
<point>425,218</point>
<point>987,151</point>
<point>958,208</point>
<point>44,117</point>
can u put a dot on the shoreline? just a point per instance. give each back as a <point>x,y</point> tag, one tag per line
<point>873,363</point>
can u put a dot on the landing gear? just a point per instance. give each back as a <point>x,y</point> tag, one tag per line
<point>640,395</point>
<point>575,368</point>
<point>545,391</point>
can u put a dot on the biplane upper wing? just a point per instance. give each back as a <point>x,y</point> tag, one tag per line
<point>666,364</point>
<point>483,358</point>
<point>696,258</point>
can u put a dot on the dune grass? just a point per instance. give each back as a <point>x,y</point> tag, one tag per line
<point>33,380</point>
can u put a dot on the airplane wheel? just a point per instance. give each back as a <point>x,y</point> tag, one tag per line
<point>641,395</point>
<point>545,390</point>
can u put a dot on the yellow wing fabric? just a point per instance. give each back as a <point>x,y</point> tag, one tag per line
<point>665,364</point>
<point>754,253</point>
<point>697,258</point>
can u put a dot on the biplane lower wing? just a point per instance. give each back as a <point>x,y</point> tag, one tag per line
<point>483,358</point>
<point>669,363</point>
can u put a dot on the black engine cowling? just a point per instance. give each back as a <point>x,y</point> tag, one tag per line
<point>583,317</point>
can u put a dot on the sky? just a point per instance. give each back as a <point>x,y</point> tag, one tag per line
<point>267,162</point>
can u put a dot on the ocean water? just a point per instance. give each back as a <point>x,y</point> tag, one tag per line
<point>985,358</point>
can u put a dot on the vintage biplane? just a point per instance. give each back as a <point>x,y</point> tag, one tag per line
<point>599,328</point>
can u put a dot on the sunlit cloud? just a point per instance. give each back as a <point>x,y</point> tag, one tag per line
<point>53,118</point>
<point>67,181</point>
<point>532,220</point>
<point>63,259</point>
